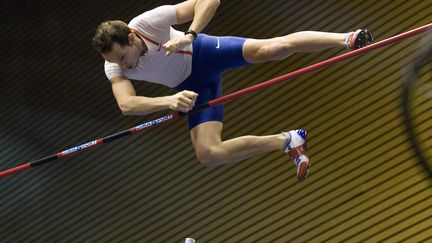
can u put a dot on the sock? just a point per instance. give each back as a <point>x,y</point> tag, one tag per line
<point>287,141</point>
<point>346,41</point>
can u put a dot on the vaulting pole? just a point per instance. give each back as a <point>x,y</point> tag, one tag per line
<point>232,96</point>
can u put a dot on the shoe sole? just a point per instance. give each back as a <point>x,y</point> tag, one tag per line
<point>366,38</point>
<point>303,169</point>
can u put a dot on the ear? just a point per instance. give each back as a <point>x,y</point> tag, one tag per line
<point>131,38</point>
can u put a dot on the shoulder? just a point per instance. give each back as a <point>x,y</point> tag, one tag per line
<point>111,65</point>
<point>165,14</point>
<point>112,70</point>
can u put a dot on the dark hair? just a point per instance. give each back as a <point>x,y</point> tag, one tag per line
<point>109,32</point>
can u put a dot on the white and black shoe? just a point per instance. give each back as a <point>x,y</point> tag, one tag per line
<point>358,39</point>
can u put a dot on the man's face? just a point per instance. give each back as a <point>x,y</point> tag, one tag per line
<point>126,57</point>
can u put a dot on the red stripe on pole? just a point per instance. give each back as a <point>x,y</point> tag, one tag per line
<point>320,65</point>
<point>15,170</point>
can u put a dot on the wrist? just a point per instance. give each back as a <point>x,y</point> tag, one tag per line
<point>191,34</point>
<point>189,38</point>
<point>166,101</point>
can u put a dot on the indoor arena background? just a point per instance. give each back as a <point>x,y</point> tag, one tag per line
<point>365,182</point>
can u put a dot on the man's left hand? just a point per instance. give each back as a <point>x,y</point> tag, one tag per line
<point>177,43</point>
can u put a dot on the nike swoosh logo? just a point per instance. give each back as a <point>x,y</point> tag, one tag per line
<point>218,44</point>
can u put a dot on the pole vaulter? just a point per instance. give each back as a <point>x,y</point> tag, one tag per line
<point>168,118</point>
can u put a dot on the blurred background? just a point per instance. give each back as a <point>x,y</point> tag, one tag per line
<point>365,184</point>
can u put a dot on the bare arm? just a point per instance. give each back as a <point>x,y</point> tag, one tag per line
<point>200,12</point>
<point>131,104</point>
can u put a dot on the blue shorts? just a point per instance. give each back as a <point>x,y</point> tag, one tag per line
<point>211,57</point>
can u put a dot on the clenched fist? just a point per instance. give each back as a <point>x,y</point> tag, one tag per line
<point>177,43</point>
<point>183,101</point>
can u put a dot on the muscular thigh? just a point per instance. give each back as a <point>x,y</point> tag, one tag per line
<point>222,52</point>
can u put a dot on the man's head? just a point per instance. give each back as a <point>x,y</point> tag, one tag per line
<point>116,43</point>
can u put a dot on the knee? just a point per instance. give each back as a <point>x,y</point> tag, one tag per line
<point>276,50</point>
<point>207,156</point>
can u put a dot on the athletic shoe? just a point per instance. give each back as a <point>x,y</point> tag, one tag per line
<point>295,147</point>
<point>358,39</point>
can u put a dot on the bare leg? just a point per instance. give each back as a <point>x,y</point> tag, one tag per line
<point>212,151</point>
<point>206,137</point>
<point>279,48</point>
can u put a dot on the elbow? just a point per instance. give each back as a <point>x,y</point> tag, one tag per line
<point>125,109</point>
<point>216,3</point>
<point>126,112</point>
<point>212,4</point>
